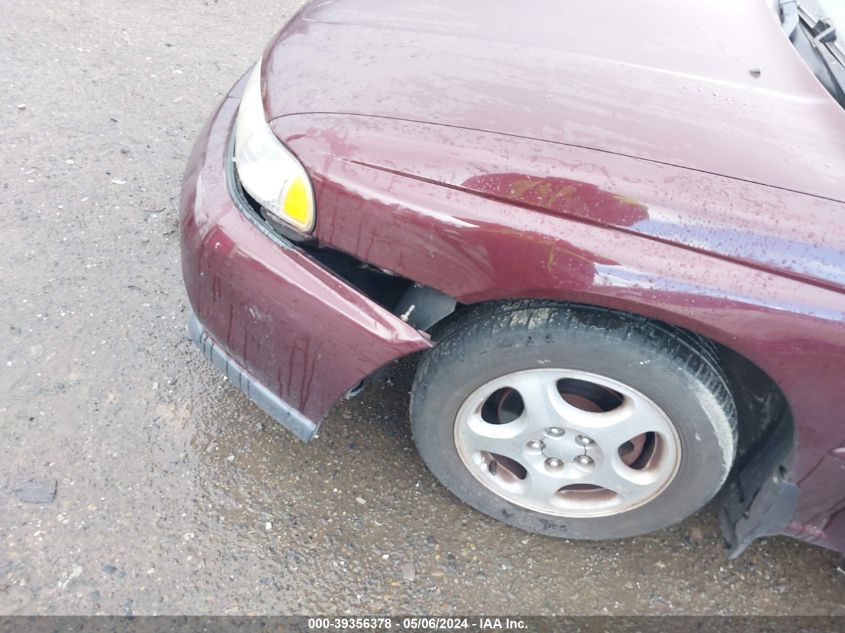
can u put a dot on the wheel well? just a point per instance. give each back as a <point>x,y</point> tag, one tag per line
<point>764,418</point>
<point>762,408</point>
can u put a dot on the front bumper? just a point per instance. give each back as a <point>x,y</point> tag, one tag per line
<point>291,334</point>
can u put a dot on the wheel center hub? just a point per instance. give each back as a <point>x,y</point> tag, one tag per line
<point>561,448</point>
<point>558,447</point>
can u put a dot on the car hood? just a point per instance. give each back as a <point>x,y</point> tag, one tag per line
<point>712,85</point>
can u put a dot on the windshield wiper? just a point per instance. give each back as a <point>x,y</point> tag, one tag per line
<point>821,35</point>
<point>816,42</point>
<point>789,16</point>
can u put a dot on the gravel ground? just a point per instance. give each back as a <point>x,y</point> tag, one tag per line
<point>173,493</point>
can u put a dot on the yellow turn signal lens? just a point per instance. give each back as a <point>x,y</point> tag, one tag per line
<point>296,205</point>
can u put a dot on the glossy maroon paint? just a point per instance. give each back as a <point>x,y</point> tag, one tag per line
<point>616,154</point>
<point>661,80</point>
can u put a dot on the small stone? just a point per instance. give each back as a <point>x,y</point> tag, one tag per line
<point>37,491</point>
<point>109,569</point>
<point>755,72</point>
<point>361,500</point>
<point>230,458</point>
<point>259,427</point>
<point>21,106</point>
<point>430,540</point>
<point>75,573</point>
<point>409,572</point>
<point>268,526</point>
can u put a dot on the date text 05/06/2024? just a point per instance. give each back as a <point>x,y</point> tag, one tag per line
<point>420,623</point>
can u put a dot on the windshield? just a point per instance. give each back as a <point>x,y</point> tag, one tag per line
<point>813,27</point>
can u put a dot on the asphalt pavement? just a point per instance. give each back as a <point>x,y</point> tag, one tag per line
<point>135,480</point>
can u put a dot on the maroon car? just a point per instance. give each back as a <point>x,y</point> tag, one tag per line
<point>614,233</point>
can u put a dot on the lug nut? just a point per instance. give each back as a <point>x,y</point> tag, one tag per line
<point>535,445</point>
<point>554,431</point>
<point>584,460</point>
<point>554,462</point>
<point>583,440</point>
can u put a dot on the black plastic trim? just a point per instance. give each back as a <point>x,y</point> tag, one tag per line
<point>760,498</point>
<point>275,407</point>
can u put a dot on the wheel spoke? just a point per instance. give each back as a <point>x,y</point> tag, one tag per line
<point>628,483</point>
<point>614,428</point>
<point>541,399</point>
<point>501,439</point>
<point>541,487</point>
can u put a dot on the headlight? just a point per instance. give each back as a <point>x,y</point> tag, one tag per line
<point>268,171</point>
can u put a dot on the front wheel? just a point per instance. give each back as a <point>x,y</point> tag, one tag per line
<point>574,421</point>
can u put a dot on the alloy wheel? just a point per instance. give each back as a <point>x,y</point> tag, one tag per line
<point>567,442</point>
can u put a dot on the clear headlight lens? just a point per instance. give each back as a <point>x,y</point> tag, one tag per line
<point>268,171</point>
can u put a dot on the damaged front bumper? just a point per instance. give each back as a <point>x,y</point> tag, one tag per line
<point>291,334</point>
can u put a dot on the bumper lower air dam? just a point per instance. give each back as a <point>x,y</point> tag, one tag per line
<point>269,402</point>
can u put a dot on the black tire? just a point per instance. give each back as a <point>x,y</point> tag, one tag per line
<point>682,377</point>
